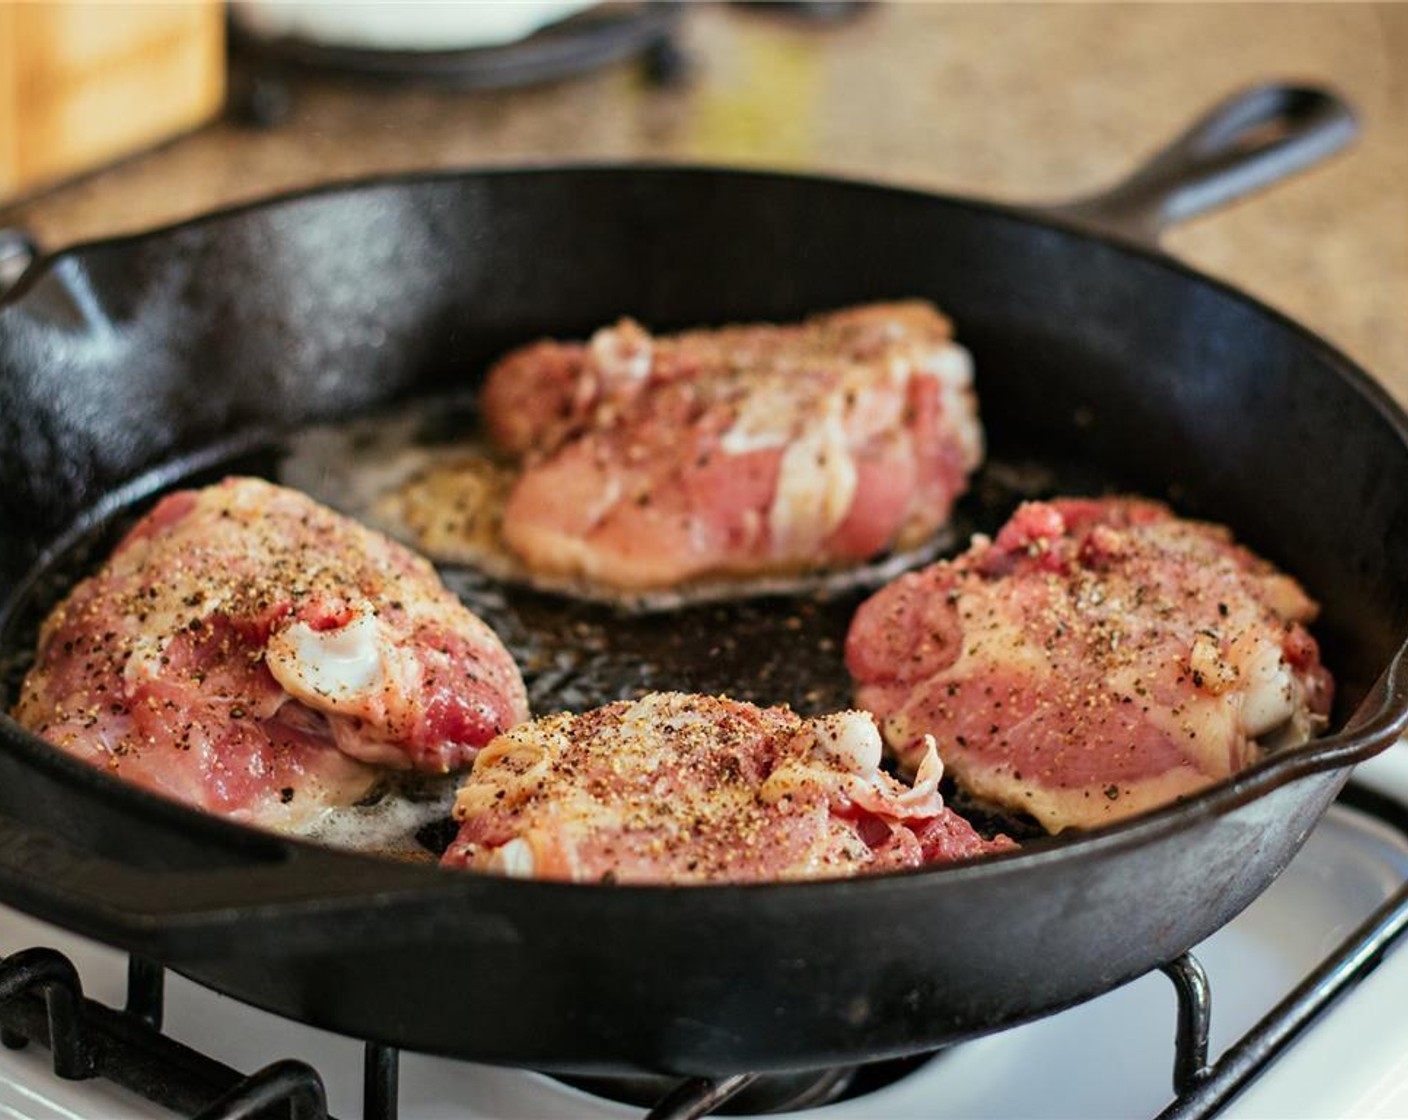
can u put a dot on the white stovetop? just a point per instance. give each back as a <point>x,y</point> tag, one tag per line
<point>1111,1057</point>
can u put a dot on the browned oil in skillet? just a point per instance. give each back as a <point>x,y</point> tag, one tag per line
<point>574,655</point>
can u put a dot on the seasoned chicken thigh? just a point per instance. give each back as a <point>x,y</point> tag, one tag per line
<point>680,788</point>
<point>255,654</point>
<point>651,461</point>
<point>1096,659</point>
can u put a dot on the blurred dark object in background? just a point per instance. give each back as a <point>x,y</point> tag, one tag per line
<point>597,36</point>
<point>820,11</point>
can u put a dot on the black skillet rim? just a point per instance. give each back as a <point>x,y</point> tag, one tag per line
<point>1362,737</point>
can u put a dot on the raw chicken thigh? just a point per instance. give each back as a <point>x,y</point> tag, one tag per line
<point>1098,658</point>
<point>255,654</point>
<point>682,788</point>
<point>648,462</point>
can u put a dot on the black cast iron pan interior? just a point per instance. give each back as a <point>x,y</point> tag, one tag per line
<point>130,365</point>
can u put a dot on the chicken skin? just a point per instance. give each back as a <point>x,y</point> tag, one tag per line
<point>255,654</point>
<point>651,461</point>
<point>682,788</point>
<point>1094,660</point>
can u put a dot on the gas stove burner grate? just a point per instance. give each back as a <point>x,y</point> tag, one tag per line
<point>42,1001</point>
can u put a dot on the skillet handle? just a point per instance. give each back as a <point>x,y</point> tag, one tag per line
<point>1253,139</point>
<point>109,860</point>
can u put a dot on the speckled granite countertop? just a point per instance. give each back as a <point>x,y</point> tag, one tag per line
<point>1015,102</point>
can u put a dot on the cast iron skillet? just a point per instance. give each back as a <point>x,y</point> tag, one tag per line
<point>120,356</point>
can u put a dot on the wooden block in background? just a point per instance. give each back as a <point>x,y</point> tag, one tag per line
<point>84,83</point>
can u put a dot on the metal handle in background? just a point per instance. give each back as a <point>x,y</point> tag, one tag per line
<point>61,290</point>
<point>18,251</point>
<point>1253,139</point>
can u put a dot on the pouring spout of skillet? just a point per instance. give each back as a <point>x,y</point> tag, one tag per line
<point>129,365</point>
